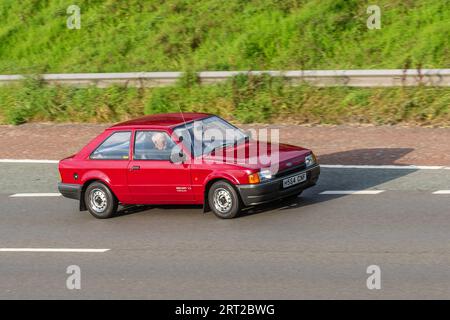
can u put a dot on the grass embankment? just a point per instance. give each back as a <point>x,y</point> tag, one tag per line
<point>243,99</point>
<point>155,35</point>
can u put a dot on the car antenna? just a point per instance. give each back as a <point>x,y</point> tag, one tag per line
<point>182,115</point>
<point>184,120</point>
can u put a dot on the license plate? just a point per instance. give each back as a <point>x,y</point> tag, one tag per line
<point>294,180</point>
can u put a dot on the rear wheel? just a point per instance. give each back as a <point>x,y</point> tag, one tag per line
<point>100,201</point>
<point>224,200</point>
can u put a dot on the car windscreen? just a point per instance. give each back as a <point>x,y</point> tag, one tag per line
<point>203,136</point>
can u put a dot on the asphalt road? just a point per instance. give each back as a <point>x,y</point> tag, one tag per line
<point>317,246</point>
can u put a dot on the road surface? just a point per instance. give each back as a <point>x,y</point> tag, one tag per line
<point>316,246</point>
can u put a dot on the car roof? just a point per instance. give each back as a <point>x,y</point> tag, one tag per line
<point>161,120</point>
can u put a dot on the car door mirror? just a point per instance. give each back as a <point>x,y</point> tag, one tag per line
<point>178,157</point>
<point>249,134</point>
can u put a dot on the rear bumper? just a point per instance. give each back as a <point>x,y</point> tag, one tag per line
<point>72,191</point>
<point>254,194</point>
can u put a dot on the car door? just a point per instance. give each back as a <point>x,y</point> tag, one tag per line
<point>152,177</point>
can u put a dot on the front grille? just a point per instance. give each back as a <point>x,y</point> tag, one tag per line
<point>291,170</point>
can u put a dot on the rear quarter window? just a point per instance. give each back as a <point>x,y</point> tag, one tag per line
<point>115,147</point>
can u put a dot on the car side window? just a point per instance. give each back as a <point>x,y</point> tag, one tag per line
<point>115,147</point>
<point>152,145</point>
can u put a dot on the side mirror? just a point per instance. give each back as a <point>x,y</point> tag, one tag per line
<point>249,133</point>
<point>178,157</point>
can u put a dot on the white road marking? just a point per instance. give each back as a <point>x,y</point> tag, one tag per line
<point>332,166</point>
<point>371,192</point>
<point>442,192</point>
<point>27,161</point>
<point>19,195</point>
<point>53,250</point>
<point>339,166</point>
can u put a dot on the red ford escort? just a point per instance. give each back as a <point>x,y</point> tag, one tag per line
<point>184,158</point>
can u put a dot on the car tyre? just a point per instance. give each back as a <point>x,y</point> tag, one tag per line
<point>224,200</point>
<point>100,201</point>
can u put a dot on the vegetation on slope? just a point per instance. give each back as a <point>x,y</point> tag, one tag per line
<point>242,99</point>
<point>159,35</point>
<point>195,35</point>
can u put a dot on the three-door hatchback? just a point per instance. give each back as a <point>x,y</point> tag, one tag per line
<point>185,158</point>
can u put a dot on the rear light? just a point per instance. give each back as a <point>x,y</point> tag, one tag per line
<point>253,178</point>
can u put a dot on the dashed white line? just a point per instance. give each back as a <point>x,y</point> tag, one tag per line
<point>53,250</point>
<point>27,161</point>
<point>332,166</point>
<point>339,166</point>
<point>442,192</point>
<point>19,195</point>
<point>356,192</point>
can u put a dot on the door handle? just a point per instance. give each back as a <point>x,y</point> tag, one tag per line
<point>134,168</point>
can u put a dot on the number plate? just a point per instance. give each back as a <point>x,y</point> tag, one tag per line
<point>294,180</point>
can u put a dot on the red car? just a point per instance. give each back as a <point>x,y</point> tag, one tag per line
<point>185,158</point>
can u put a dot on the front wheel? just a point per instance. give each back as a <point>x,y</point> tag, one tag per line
<point>224,200</point>
<point>100,201</point>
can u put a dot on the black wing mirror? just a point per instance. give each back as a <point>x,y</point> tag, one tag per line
<point>178,157</point>
<point>249,134</point>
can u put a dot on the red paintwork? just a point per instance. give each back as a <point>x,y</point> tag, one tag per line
<point>160,181</point>
<point>161,120</point>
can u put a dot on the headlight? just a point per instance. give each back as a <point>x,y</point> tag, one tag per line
<point>310,160</point>
<point>260,176</point>
<point>265,175</point>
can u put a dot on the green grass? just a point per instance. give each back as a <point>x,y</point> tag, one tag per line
<point>156,35</point>
<point>195,35</point>
<point>243,99</point>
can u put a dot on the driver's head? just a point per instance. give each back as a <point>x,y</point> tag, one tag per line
<point>159,140</point>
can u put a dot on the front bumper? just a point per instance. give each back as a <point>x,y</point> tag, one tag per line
<point>68,190</point>
<point>254,194</point>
